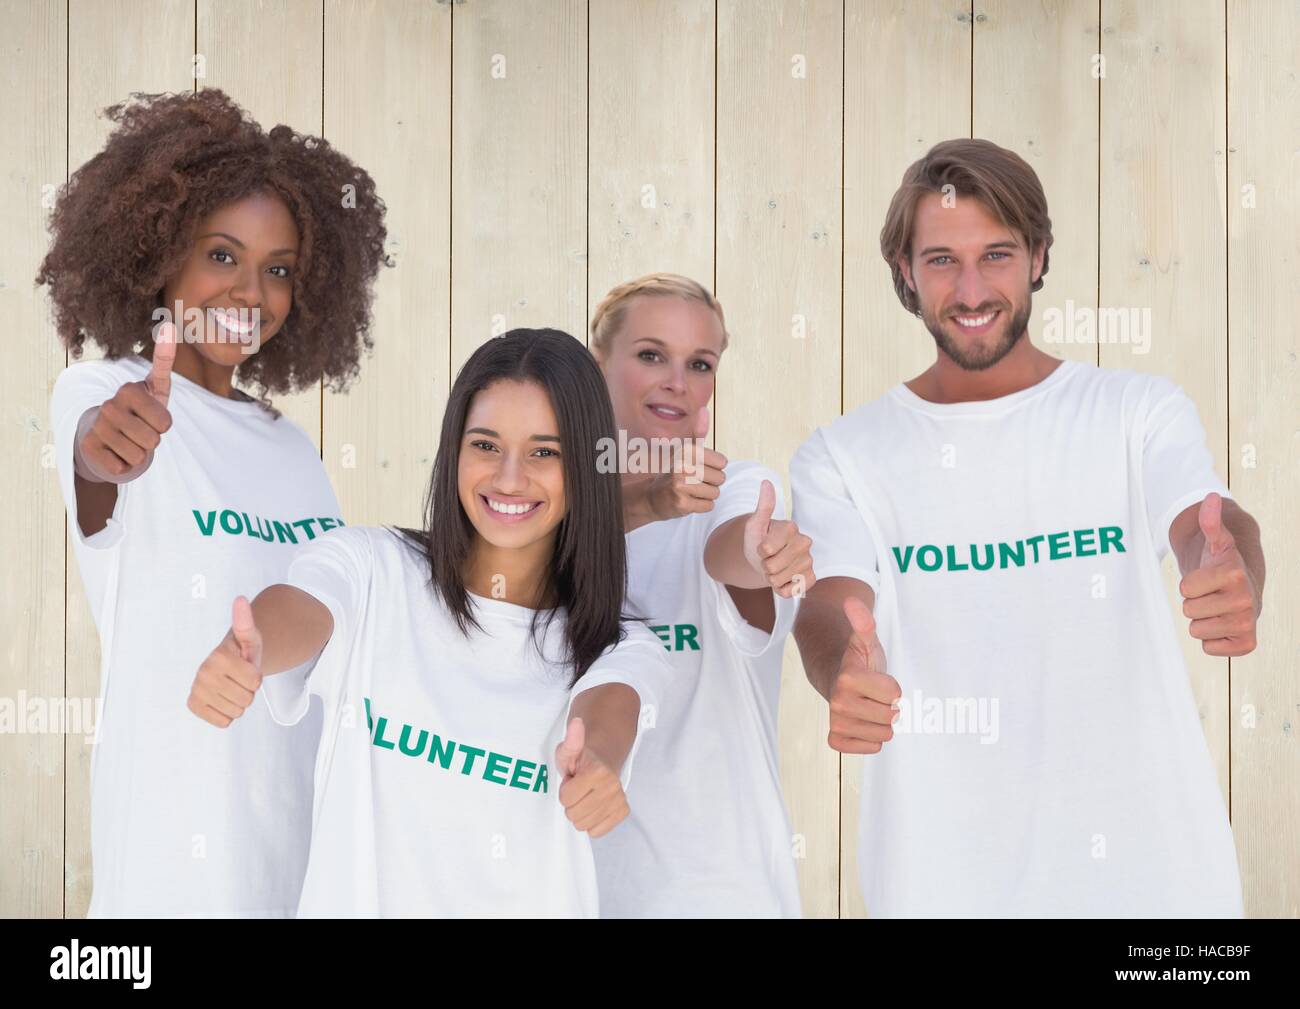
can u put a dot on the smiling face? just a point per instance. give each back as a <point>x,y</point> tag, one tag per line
<point>972,277</point>
<point>242,259</point>
<point>511,475</point>
<point>660,365</point>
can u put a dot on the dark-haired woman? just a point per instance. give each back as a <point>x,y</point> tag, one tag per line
<point>233,247</point>
<point>482,695</point>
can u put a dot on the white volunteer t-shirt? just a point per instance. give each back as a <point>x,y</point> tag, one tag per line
<point>186,818</point>
<point>436,791</point>
<point>708,834</point>
<point>1048,759</point>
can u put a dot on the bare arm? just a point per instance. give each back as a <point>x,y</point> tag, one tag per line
<point>638,507</point>
<point>724,556</point>
<point>755,555</point>
<point>610,713</point>
<point>95,503</point>
<point>822,630</point>
<point>845,662</point>
<point>283,628</point>
<point>754,603</point>
<point>295,626</point>
<point>601,729</point>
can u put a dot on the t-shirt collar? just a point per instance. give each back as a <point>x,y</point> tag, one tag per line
<point>985,407</point>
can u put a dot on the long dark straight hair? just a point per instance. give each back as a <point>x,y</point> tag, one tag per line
<point>587,575</point>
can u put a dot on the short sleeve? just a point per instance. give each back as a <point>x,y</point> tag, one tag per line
<point>842,546</point>
<point>336,569</point>
<point>1177,468</point>
<point>79,388</point>
<point>638,661</point>
<point>740,497</point>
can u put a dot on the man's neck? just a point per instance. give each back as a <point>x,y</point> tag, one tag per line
<point>945,381</point>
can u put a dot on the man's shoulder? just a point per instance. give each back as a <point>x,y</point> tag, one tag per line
<point>1123,380</point>
<point>863,421</point>
<point>1131,395</point>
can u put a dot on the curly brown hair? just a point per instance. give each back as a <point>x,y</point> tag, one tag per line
<point>124,223</point>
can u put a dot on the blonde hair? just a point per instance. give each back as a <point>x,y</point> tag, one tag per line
<point>612,311</point>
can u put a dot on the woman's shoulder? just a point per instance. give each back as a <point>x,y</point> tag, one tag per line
<point>368,553</point>
<point>104,374</point>
<point>379,539</point>
<point>392,548</point>
<point>279,424</point>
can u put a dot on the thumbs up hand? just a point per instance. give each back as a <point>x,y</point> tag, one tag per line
<point>115,443</point>
<point>776,549</point>
<point>591,793</point>
<point>697,473</point>
<point>863,693</point>
<point>228,678</point>
<point>159,380</point>
<point>1220,597</point>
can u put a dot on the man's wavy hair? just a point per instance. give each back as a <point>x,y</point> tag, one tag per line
<point>1000,179</point>
<point>124,224</point>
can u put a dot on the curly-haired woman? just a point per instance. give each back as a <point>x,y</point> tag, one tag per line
<point>195,245</point>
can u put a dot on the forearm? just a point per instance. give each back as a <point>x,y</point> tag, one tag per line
<point>724,557</point>
<point>610,713</point>
<point>822,631</point>
<point>821,647</point>
<point>295,627</point>
<point>636,505</point>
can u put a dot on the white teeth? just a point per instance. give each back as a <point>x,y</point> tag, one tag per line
<point>232,322</point>
<point>509,509</point>
<point>979,320</point>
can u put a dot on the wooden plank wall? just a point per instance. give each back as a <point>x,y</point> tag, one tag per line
<point>533,153</point>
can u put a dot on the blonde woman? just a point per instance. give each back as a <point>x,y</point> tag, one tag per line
<point>716,567</point>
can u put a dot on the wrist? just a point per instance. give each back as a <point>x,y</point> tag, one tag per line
<point>609,750</point>
<point>80,466</point>
<point>636,506</point>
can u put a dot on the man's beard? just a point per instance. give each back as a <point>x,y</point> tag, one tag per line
<point>977,358</point>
